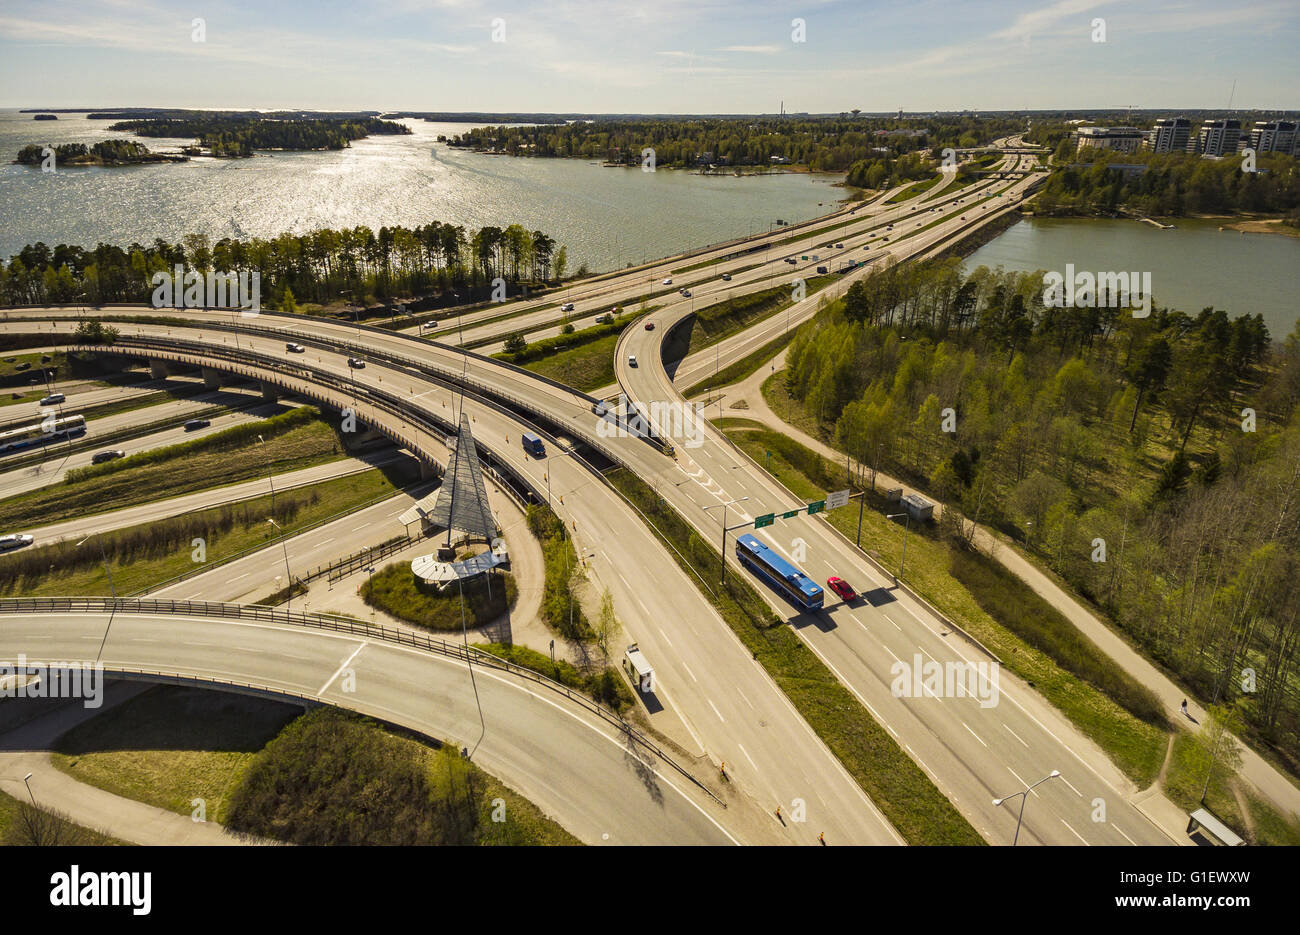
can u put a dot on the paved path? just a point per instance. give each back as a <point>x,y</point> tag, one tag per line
<point>1275,786</point>
<point>26,749</point>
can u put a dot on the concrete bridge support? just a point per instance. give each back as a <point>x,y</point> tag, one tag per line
<point>270,392</point>
<point>157,369</point>
<point>211,378</point>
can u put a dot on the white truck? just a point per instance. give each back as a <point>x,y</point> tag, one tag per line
<point>638,670</point>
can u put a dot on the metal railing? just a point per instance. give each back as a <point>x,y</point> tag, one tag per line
<point>359,628</point>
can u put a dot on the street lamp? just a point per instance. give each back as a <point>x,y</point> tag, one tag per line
<point>288,575</point>
<point>269,479</point>
<point>724,532</point>
<point>29,788</point>
<point>111,587</point>
<point>1024,794</point>
<point>906,526</point>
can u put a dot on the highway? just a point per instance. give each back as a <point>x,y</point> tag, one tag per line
<point>571,764</point>
<point>730,704</point>
<point>961,767</point>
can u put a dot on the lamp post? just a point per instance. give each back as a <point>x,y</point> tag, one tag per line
<point>288,575</point>
<point>111,587</point>
<point>724,532</point>
<point>906,526</point>
<point>1024,797</point>
<point>27,783</point>
<point>269,479</point>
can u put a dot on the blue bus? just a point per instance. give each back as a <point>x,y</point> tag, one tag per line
<point>767,563</point>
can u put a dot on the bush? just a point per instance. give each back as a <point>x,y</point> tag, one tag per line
<point>396,591</point>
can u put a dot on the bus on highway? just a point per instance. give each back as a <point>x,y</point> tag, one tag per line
<point>767,563</point>
<point>41,433</point>
<point>533,445</point>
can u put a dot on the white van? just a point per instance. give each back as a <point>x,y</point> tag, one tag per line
<point>638,670</point>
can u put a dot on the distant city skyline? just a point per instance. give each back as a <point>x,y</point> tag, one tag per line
<point>672,56</point>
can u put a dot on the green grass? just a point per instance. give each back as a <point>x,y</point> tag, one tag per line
<point>217,460</point>
<point>150,553</point>
<point>331,777</point>
<point>21,825</point>
<point>913,190</point>
<point>893,780</point>
<point>1136,746</point>
<point>561,610</point>
<point>1188,766</point>
<point>603,684</point>
<point>583,368</point>
<point>395,591</point>
<point>171,745</point>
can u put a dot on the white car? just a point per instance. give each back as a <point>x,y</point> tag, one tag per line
<point>53,399</point>
<point>631,360</point>
<point>295,348</point>
<point>668,281</point>
<point>686,293</point>
<point>15,541</point>
<point>566,307</point>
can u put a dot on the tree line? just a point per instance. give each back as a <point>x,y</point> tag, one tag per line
<point>240,136</point>
<point>1170,184</point>
<point>1154,463</point>
<point>105,152</point>
<point>820,143</point>
<point>321,267</point>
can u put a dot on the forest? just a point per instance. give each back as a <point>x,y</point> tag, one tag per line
<point>1171,184</point>
<point>240,136</point>
<point>1154,463</point>
<point>320,267</point>
<point>831,144</point>
<point>103,153</point>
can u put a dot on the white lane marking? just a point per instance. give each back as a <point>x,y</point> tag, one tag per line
<point>747,756</point>
<point>339,670</point>
<point>1075,833</point>
<point>1014,734</point>
<point>688,671</point>
<point>1072,789</point>
<point>972,733</point>
<point>716,711</point>
<point>666,639</point>
<point>1124,836</point>
<point>244,575</point>
<point>1021,781</point>
<point>326,541</point>
<point>747,701</point>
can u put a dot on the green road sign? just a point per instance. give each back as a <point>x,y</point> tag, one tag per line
<point>767,519</point>
<point>816,507</point>
<point>791,514</point>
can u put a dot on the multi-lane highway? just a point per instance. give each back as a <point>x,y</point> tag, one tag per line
<point>971,754</point>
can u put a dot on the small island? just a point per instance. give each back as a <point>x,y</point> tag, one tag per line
<point>103,153</point>
<point>236,136</point>
<point>45,117</point>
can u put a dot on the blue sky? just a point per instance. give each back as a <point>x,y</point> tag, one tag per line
<point>685,56</point>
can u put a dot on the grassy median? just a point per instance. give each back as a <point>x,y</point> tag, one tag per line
<point>889,776</point>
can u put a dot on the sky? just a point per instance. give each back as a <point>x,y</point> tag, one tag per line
<point>651,56</point>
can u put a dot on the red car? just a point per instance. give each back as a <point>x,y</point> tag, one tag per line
<point>649,326</point>
<point>841,587</point>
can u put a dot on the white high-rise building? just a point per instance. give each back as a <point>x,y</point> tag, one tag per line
<point>1219,137</point>
<point>1170,135</point>
<point>1274,136</point>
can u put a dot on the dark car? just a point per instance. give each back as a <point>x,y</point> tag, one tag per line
<point>649,326</point>
<point>99,457</point>
<point>841,587</point>
<point>193,424</point>
<point>356,363</point>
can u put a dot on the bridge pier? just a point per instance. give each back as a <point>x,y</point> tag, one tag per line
<point>157,369</point>
<point>429,471</point>
<point>270,392</point>
<point>211,378</point>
